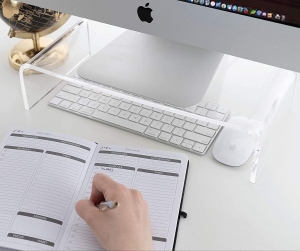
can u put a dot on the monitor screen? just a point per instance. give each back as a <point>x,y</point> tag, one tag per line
<point>281,11</point>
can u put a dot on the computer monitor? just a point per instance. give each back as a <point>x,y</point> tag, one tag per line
<point>265,31</point>
<point>272,39</point>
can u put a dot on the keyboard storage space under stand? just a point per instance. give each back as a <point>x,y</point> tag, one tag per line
<point>261,93</point>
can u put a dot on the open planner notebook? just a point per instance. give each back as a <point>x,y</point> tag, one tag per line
<point>43,174</point>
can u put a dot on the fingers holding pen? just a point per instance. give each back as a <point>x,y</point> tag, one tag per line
<point>87,211</point>
<point>102,187</point>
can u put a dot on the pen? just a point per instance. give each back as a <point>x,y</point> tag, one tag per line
<point>107,205</point>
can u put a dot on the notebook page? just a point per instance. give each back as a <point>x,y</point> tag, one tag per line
<point>40,176</point>
<point>158,175</point>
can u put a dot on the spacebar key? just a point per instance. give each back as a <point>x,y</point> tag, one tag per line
<point>118,121</point>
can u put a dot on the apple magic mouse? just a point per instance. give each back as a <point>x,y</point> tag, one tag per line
<point>233,147</point>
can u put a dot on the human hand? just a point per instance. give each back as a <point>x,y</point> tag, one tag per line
<point>126,227</point>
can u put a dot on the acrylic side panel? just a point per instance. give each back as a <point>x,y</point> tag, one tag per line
<point>61,57</point>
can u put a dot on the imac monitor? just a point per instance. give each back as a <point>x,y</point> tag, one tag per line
<point>272,39</point>
<point>265,31</point>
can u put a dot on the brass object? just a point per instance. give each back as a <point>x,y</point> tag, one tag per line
<point>23,51</point>
<point>32,23</point>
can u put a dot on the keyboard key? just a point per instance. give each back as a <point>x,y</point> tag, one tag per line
<point>145,121</point>
<point>86,88</point>
<point>202,104</point>
<point>114,111</point>
<point>147,107</point>
<point>201,111</point>
<point>197,137</point>
<point>114,102</point>
<point>137,104</point>
<point>118,121</point>
<point>176,140</point>
<point>186,145</point>
<point>103,107</point>
<point>96,91</point>
<point>125,106</point>
<point>68,96</point>
<point>104,99</point>
<point>191,109</point>
<point>135,118</point>
<point>178,131</point>
<point>65,104</point>
<point>205,131</point>
<point>202,123</point>
<point>84,101</point>
<point>169,113</point>
<point>156,124</point>
<point>157,110</point>
<point>75,107</point>
<point>75,85</point>
<point>94,96</point>
<point>211,106</point>
<point>222,109</point>
<point>178,122</point>
<point>115,97</point>
<point>189,126</point>
<point>55,101</point>
<point>167,119</point>
<point>86,110</point>
<point>179,116</point>
<point>189,142</point>
<point>85,93</point>
<point>178,107</point>
<point>152,132</point>
<point>135,109</point>
<point>156,116</point>
<point>165,136</point>
<point>167,128</point>
<point>215,115</point>
<point>199,148</point>
<point>93,104</point>
<point>213,126</point>
<point>72,89</point>
<point>145,112</point>
<point>124,114</point>
<point>190,120</point>
<point>126,100</point>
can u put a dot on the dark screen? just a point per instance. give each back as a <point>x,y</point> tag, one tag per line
<point>281,11</point>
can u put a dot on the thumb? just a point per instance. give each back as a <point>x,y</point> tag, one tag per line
<point>88,211</point>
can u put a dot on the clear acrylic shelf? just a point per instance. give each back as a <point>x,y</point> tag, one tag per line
<point>260,93</point>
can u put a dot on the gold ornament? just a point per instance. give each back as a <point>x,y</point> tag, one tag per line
<point>32,23</point>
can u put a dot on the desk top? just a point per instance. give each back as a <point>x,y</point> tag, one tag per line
<point>225,211</point>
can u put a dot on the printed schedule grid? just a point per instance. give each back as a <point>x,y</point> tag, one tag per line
<point>39,177</point>
<point>16,168</point>
<point>159,189</point>
<point>53,185</point>
<point>157,179</point>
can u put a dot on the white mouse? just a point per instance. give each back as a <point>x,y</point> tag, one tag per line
<point>233,147</point>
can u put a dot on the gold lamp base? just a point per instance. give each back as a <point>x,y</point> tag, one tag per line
<point>25,50</point>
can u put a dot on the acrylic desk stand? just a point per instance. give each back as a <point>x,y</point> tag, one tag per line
<point>261,93</point>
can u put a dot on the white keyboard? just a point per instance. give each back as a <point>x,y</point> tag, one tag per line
<point>173,129</point>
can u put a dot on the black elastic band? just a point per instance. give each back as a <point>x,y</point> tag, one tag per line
<point>183,214</point>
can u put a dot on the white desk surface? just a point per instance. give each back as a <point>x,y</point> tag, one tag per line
<point>225,211</point>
